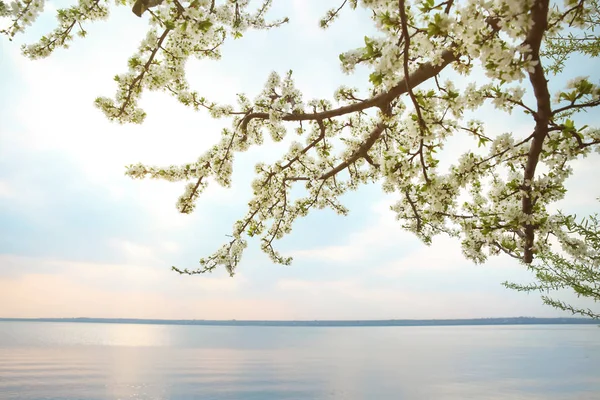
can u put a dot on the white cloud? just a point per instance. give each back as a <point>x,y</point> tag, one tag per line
<point>154,254</point>
<point>306,14</point>
<point>583,187</point>
<point>443,254</point>
<point>341,254</point>
<point>135,252</point>
<point>51,295</point>
<point>66,288</point>
<point>385,231</point>
<point>352,299</point>
<point>66,123</point>
<point>6,190</point>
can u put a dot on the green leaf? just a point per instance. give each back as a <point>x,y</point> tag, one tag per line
<point>568,127</point>
<point>433,30</point>
<point>376,78</point>
<point>205,25</point>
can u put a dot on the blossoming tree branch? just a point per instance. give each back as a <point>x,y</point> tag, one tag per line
<point>495,202</point>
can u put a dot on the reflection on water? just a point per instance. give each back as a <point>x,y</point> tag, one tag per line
<point>114,361</point>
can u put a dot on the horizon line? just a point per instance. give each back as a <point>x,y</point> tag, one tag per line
<point>522,320</point>
<point>298,320</point>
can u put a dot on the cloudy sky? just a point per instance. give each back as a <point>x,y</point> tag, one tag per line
<point>78,238</point>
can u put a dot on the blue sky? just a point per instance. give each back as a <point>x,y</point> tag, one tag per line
<point>78,238</point>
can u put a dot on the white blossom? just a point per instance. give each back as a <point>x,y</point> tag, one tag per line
<point>390,135</point>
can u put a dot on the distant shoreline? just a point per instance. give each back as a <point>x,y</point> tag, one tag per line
<point>324,323</point>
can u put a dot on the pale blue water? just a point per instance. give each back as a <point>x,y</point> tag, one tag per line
<point>118,361</point>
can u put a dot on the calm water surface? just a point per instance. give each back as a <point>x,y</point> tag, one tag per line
<point>118,361</point>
